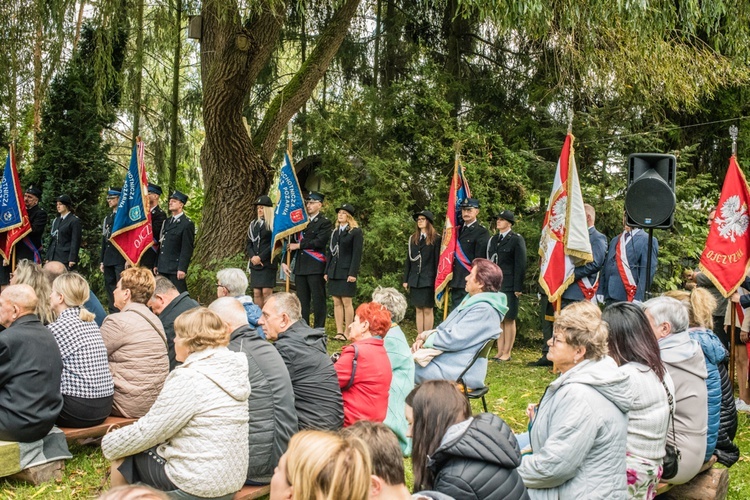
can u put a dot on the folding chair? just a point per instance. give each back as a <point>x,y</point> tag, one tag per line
<point>480,392</point>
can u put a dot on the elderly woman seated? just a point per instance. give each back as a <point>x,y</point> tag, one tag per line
<point>87,385</point>
<point>232,282</point>
<point>579,430</point>
<point>363,370</point>
<point>402,364</point>
<point>686,364</point>
<point>468,327</point>
<point>193,441</point>
<point>136,345</point>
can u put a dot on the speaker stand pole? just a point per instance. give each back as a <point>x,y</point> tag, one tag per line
<point>647,291</point>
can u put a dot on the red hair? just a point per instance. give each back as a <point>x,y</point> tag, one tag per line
<point>377,315</point>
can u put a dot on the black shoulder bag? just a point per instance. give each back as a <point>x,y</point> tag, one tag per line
<point>672,457</point>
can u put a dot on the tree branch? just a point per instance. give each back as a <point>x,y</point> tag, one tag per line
<point>301,86</point>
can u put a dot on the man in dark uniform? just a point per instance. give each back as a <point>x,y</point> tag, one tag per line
<point>310,262</point>
<point>471,243</point>
<point>31,246</point>
<point>66,234</point>
<point>113,262</point>
<point>507,249</point>
<point>176,243</point>
<point>157,219</point>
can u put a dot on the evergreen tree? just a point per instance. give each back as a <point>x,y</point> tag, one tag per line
<point>73,156</point>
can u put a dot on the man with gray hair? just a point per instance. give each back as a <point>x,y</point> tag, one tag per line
<point>232,282</point>
<point>30,369</point>
<point>317,395</point>
<point>402,365</point>
<point>686,366</point>
<point>273,418</point>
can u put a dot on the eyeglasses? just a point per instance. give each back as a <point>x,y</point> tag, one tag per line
<point>222,286</point>
<point>556,339</point>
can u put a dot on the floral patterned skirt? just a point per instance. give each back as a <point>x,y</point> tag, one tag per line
<point>643,477</point>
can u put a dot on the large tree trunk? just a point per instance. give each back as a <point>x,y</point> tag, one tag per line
<point>237,170</point>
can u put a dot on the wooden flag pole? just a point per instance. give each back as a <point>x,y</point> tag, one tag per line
<point>732,325</point>
<point>445,302</point>
<point>288,238</point>
<point>733,131</point>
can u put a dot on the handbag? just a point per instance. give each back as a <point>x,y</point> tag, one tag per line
<point>672,457</point>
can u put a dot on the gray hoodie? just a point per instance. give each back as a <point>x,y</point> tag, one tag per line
<point>579,435</point>
<point>686,364</point>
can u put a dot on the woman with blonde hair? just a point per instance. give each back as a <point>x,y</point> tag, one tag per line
<point>722,411</point>
<point>342,269</point>
<point>321,465</point>
<point>86,383</point>
<point>193,441</point>
<point>579,429</point>
<point>31,273</point>
<point>136,345</point>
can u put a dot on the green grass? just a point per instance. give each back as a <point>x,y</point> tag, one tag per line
<point>513,386</point>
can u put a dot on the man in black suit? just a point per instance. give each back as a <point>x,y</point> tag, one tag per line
<point>113,262</point>
<point>31,246</point>
<point>66,234</point>
<point>471,243</point>
<point>30,369</point>
<point>157,220</point>
<point>507,249</point>
<point>176,243</point>
<point>310,262</point>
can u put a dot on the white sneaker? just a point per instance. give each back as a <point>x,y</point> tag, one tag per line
<point>742,406</point>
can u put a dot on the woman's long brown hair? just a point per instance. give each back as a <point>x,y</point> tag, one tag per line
<point>436,405</point>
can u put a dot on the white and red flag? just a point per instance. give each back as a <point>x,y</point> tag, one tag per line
<point>565,237</point>
<point>725,256</point>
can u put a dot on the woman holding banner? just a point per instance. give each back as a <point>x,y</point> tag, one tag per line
<point>421,268</point>
<point>259,246</point>
<point>344,258</point>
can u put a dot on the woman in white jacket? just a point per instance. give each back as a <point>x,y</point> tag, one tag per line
<point>193,440</point>
<point>580,427</point>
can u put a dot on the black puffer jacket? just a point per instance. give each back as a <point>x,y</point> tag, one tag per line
<point>479,462</point>
<point>726,451</point>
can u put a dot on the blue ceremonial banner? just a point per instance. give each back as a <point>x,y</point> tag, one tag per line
<point>14,221</point>
<point>290,215</point>
<point>132,234</point>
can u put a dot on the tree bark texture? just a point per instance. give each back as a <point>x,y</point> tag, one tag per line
<point>175,111</point>
<point>236,169</point>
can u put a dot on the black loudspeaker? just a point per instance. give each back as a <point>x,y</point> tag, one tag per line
<point>650,199</point>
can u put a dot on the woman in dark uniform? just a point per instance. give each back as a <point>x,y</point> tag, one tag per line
<point>344,257</point>
<point>421,268</point>
<point>262,270</point>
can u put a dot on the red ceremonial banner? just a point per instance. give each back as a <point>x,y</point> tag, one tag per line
<point>725,256</point>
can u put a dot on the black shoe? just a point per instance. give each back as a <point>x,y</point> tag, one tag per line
<point>543,361</point>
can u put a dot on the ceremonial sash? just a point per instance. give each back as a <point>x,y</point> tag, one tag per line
<point>37,258</point>
<point>587,288</point>
<point>312,253</point>
<point>462,258</point>
<point>623,267</point>
<point>740,313</point>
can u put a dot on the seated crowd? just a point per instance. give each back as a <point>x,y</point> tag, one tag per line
<point>226,396</point>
